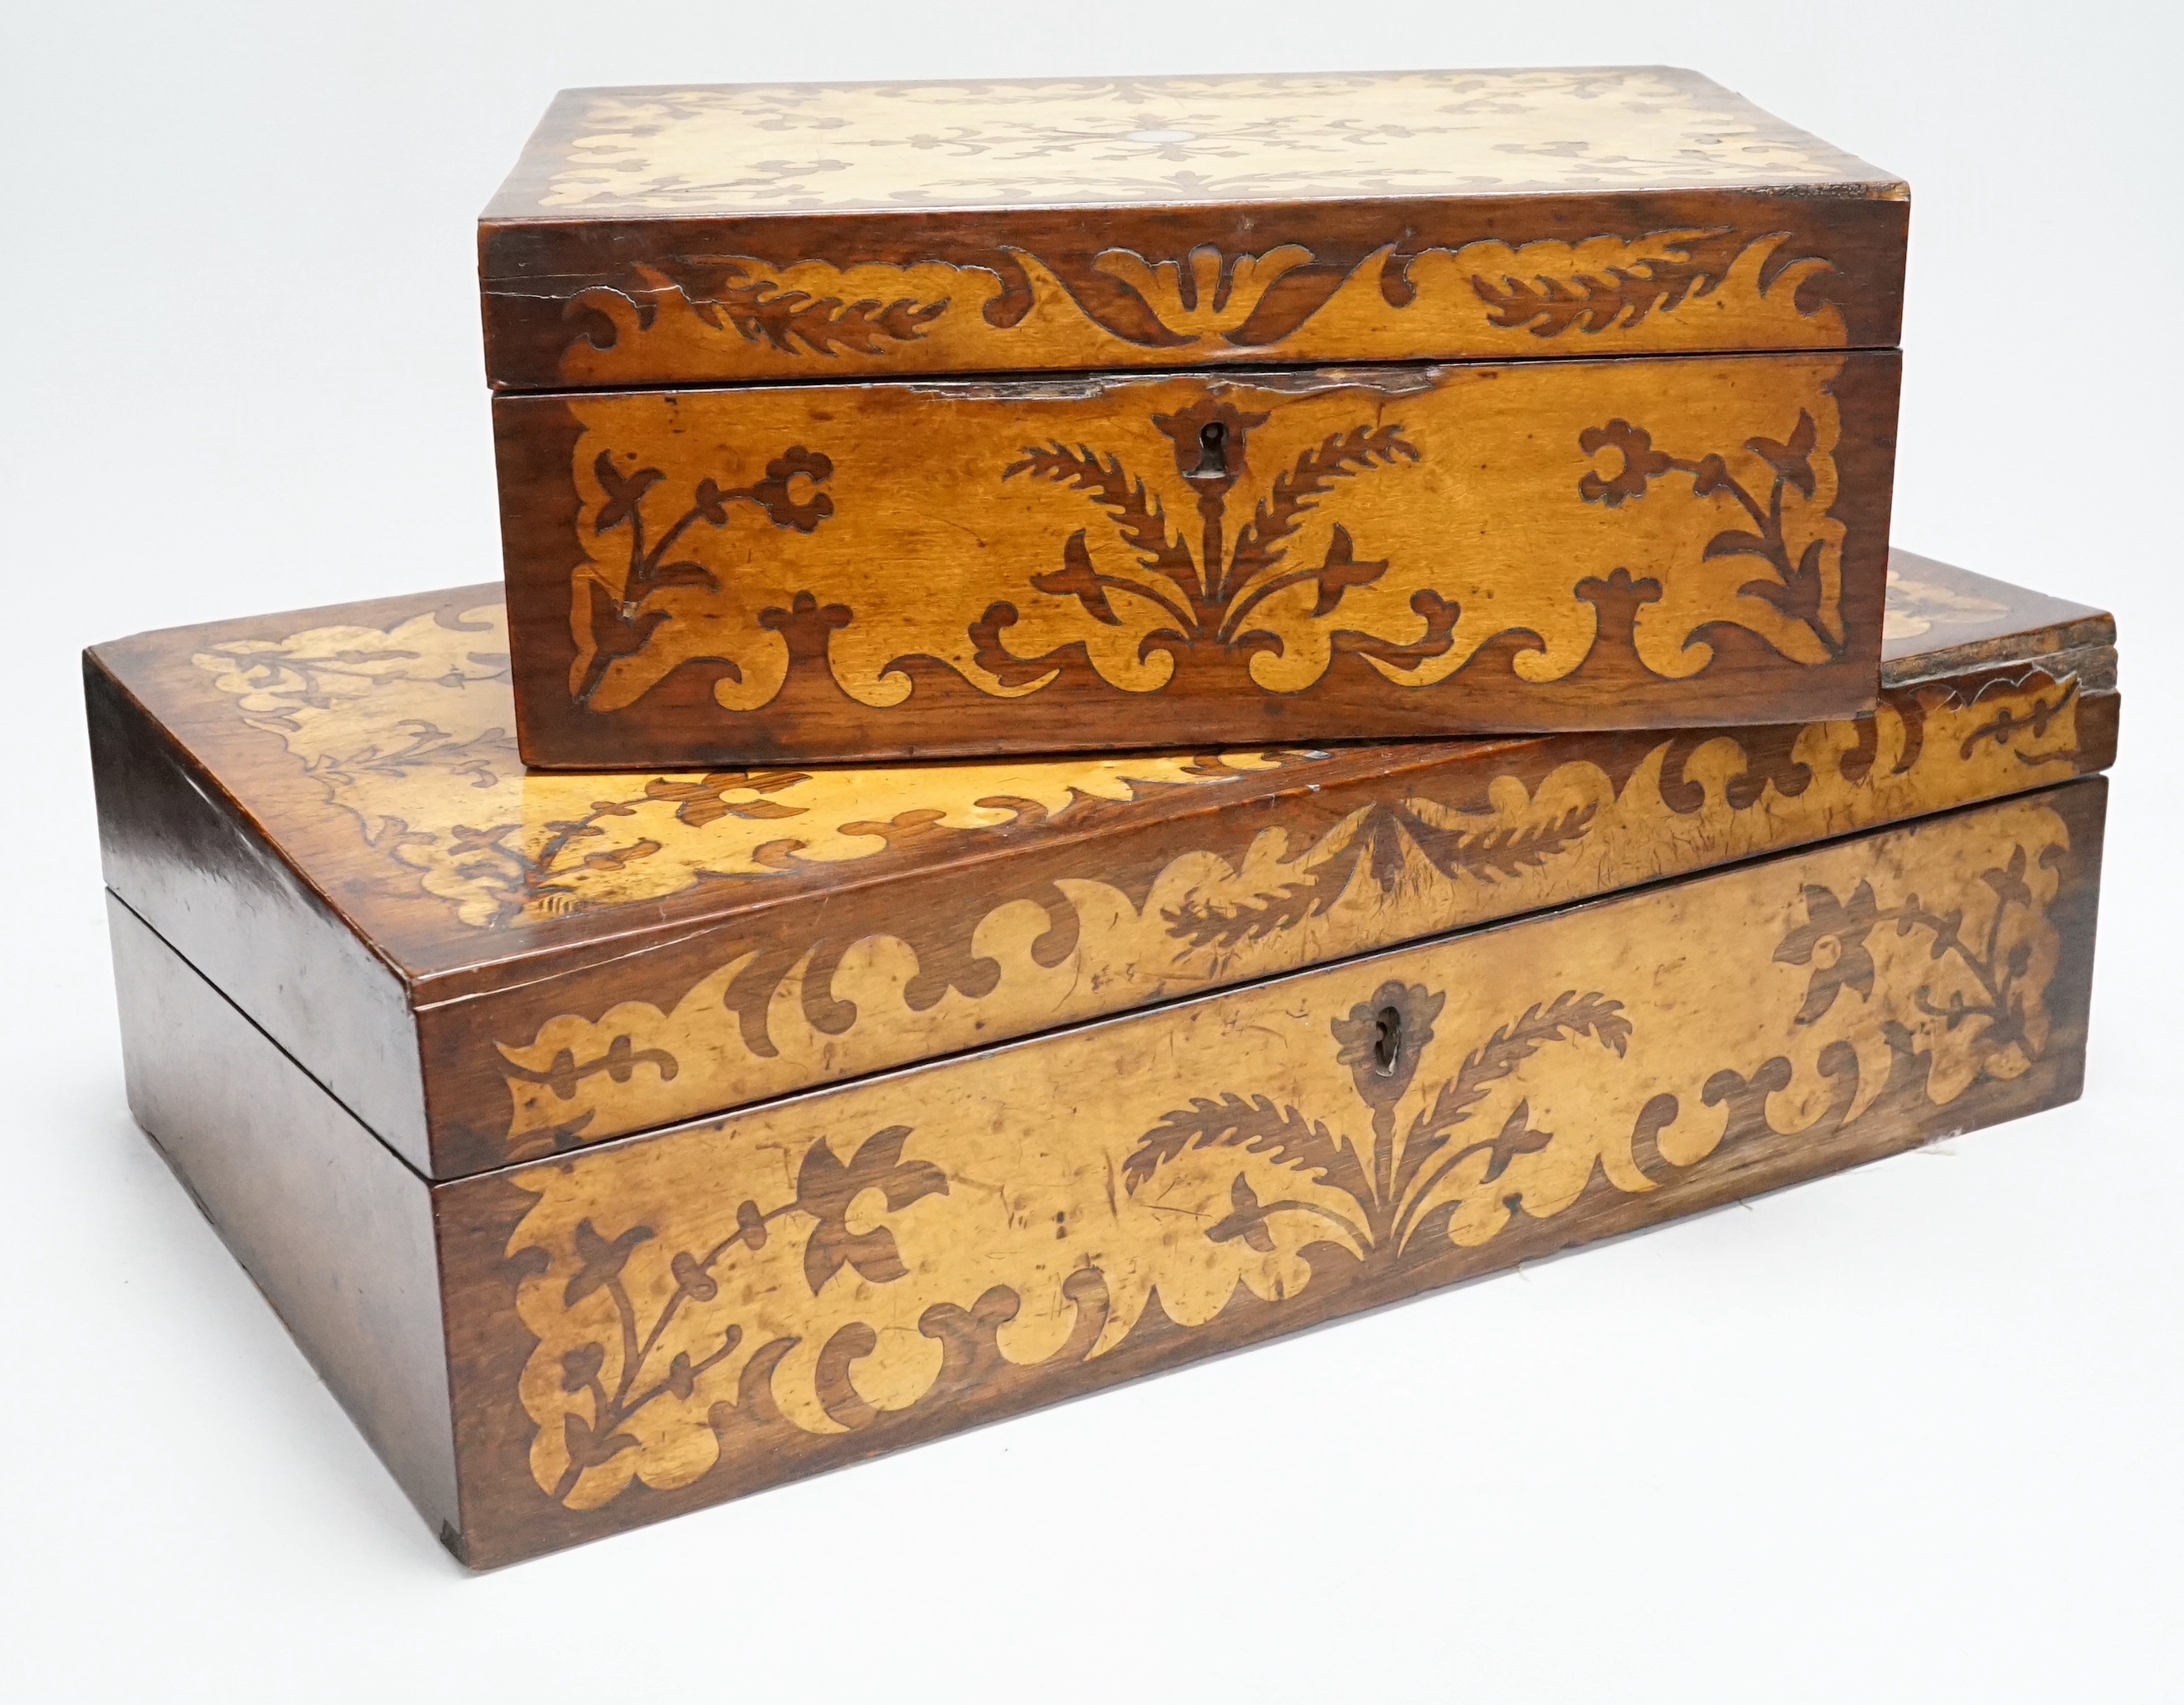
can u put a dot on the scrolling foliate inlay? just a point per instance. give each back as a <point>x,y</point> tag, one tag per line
<point>406,730</point>
<point>1127,534</point>
<point>826,1266</point>
<point>1661,292</point>
<point>409,731</point>
<point>1103,940</point>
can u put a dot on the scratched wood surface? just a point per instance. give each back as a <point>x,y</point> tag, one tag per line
<point>800,574</point>
<point>324,812</point>
<point>703,234</point>
<point>667,1321</point>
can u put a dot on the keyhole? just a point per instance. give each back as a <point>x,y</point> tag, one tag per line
<point>1387,1038</point>
<point>1213,452</point>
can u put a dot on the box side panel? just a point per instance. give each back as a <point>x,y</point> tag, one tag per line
<point>929,957</point>
<point>792,574</point>
<point>335,1231</point>
<point>182,853</point>
<point>679,1318</point>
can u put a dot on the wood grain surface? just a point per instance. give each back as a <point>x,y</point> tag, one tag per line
<point>698,234</point>
<point>335,1231</point>
<point>878,571</point>
<point>676,1318</point>
<point>490,964</point>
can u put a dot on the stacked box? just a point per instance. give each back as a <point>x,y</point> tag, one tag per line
<point>839,423</point>
<point>616,1144</point>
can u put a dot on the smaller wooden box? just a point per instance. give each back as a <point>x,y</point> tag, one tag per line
<point>849,422</point>
<point>616,1145</point>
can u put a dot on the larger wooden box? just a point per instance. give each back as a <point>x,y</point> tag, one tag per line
<point>616,1145</point>
<point>1311,407</point>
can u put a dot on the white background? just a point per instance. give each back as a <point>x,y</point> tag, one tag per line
<point>1911,1434</point>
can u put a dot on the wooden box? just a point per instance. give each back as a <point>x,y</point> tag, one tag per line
<point>844,422</point>
<point>614,1145</point>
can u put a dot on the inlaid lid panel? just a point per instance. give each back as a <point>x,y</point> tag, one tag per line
<point>323,811</point>
<point>731,232</point>
<point>373,743</point>
<point>863,148</point>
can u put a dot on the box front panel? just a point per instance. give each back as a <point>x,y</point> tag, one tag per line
<point>879,571</point>
<point>676,1319</point>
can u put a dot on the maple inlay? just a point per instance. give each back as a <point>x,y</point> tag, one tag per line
<point>862,147</point>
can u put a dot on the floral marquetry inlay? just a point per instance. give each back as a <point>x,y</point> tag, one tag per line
<point>821,1265</point>
<point>807,1011</point>
<point>1166,530</point>
<point>409,730</point>
<point>857,147</point>
<point>790,230</point>
<point>730,316</point>
<point>405,729</point>
<point>1917,608</point>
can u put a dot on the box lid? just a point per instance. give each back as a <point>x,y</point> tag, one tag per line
<point>322,812</point>
<point>725,232</point>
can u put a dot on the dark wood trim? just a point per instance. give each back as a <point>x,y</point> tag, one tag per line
<point>240,906</point>
<point>334,1229</point>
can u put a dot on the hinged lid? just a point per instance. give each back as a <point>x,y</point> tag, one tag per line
<point>323,812</point>
<point>676,235</point>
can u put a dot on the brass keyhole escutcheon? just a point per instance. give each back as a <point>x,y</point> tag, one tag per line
<point>1213,452</point>
<point>1387,1040</point>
